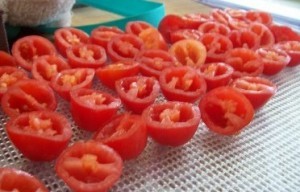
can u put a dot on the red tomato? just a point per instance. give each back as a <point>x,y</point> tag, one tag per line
<point>125,130</point>
<point>28,95</point>
<point>225,110</point>
<point>6,59</point>
<point>26,49</point>
<point>284,33</point>
<point>189,52</point>
<point>274,60</point>
<point>137,92</point>
<point>194,20</point>
<point>70,79</point>
<point>237,24</point>
<point>67,37</point>
<point>182,84</point>
<point>213,26</point>
<point>103,34</point>
<point>257,89</point>
<point>17,180</point>
<point>245,62</point>
<point>169,24</point>
<point>172,123</point>
<point>91,109</point>
<point>185,34</point>
<point>292,48</point>
<point>216,74</point>
<point>220,16</point>
<point>89,166</point>
<point>152,62</point>
<point>86,56</point>
<point>259,16</point>
<point>239,14</point>
<point>45,67</point>
<point>39,135</point>
<point>217,46</point>
<point>9,76</point>
<point>244,38</point>
<point>266,37</point>
<point>153,39</point>
<point>136,27</point>
<point>124,47</point>
<point>109,74</point>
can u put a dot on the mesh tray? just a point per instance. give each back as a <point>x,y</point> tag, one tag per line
<point>265,156</point>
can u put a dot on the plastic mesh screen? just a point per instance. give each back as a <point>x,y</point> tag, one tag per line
<point>265,156</point>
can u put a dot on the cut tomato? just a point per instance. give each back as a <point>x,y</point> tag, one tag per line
<point>292,48</point>
<point>185,34</point>
<point>214,27</point>
<point>103,34</point>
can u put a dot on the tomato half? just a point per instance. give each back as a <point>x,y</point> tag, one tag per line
<point>214,27</point>
<point>189,52</point>
<point>89,166</point>
<point>265,36</point>
<point>109,74</point>
<point>124,47</point>
<point>225,110</point>
<point>153,39</point>
<point>7,59</point>
<point>274,60</point>
<point>67,37</point>
<point>91,109</point>
<point>28,95</point>
<point>39,135</point>
<point>216,74</point>
<point>152,62</point>
<point>182,84</point>
<point>86,56</point>
<point>185,34</point>
<point>172,123</point>
<point>125,130</point>
<point>217,46</point>
<point>9,76</point>
<point>292,48</point>
<point>26,49</point>
<point>284,33</point>
<point>12,179</point>
<point>194,20</point>
<point>137,92</point>
<point>258,90</point>
<point>70,79</point>
<point>46,67</point>
<point>244,38</point>
<point>239,14</point>
<point>245,62</point>
<point>103,34</point>
<point>136,27</point>
<point>220,16</point>
<point>259,16</point>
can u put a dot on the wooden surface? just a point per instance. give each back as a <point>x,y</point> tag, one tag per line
<point>88,15</point>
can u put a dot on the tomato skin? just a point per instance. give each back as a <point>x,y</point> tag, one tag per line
<point>47,66</point>
<point>216,46</point>
<point>7,59</point>
<point>152,62</point>
<point>216,74</point>
<point>103,34</point>
<point>17,180</point>
<point>225,111</point>
<point>292,48</point>
<point>137,92</point>
<point>109,74</point>
<point>124,47</point>
<point>258,90</point>
<point>245,62</point>
<point>182,84</point>
<point>70,79</point>
<point>87,161</point>
<point>185,34</point>
<point>274,60</point>
<point>194,20</point>
<point>38,141</point>
<point>96,112</point>
<point>86,56</point>
<point>28,95</point>
<point>125,130</point>
<point>67,37</point>
<point>162,129</point>
<point>284,33</point>
<point>26,49</point>
<point>169,24</point>
<point>189,52</point>
<point>10,75</point>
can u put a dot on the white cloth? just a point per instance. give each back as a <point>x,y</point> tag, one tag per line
<point>37,12</point>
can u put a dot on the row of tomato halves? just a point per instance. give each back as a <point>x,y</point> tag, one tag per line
<point>207,66</point>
